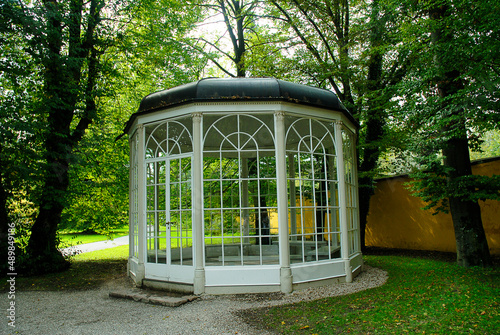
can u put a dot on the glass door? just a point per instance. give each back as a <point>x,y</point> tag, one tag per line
<point>169,240</point>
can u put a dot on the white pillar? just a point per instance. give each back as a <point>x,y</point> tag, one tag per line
<point>284,248</point>
<point>344,241</point>
<point>356,193</point>
<point>293,198</point>
<point>197,170</point>
<point>141,197</point>
<point>245,215</point>
<point>131,196</point>
<point>333,203</point>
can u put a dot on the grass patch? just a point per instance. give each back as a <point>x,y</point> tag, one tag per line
<point>88,271</point>
<point>421,296</point>
<point>68,238</point>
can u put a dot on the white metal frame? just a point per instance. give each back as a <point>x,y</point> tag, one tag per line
<point>245,278</point>
<point>155,270</point>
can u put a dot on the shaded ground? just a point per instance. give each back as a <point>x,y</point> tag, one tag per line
<point>255,317</point>
<point>425,254</point>
<point>90,311</point>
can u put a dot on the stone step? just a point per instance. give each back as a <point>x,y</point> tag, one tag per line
<point>152,298</point>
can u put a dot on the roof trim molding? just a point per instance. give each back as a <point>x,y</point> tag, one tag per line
<point>240,90</point>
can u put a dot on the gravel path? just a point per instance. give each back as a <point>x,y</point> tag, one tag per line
<point>93,312</point>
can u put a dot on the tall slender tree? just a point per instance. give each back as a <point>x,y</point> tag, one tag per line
<point>239,18</point>
<point>344,47</point>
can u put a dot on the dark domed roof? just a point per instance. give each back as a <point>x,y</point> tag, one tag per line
<point>240,89</point>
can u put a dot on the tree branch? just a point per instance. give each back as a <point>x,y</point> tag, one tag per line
<point>309,46</point>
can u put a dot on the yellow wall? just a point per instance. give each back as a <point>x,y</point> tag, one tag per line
<point>309,227</point>
<point>396,219</point>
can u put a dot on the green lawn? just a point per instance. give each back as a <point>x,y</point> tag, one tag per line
<point>421,296</point>
<point>88,270</point>
<point>68,238</point>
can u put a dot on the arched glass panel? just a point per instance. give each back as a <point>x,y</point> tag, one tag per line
<point>313,190</point>
<point>239,181</point>
<point>169,138</point>
<point>169,192</point>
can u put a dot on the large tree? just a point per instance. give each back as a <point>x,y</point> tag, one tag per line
<point>80,54</point>
<point>449,98</point>
<point>70,45</point>
<point>149,56</point>
<point>345,47</point>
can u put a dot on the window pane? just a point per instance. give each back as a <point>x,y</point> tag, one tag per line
<point>186,197</point>
<point>150,194</point>
<point>313,211</point>
<point>161,197</point>
<point>185,169</point>
<point>231,194</point>
<point>174,196</point>
<point>230,168</point>
<point>211,168</point>
<point>243,184</point>
<point>175,170</point>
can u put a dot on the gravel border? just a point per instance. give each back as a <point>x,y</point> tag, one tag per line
<point>93,312</point>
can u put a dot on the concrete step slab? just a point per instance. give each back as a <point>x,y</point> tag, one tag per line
<point>163,298</point>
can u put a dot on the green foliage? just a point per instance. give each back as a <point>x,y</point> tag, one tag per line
<point>153,53</point>
<point>98,194</point>
<point>450,92</point>
<point>420,296</point>
<point>435,187</point>
<point>20,128</point>
<point>489,146</point>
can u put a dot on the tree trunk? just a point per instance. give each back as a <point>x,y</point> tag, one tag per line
<point>238,38</point>
<point>42,245</point>
<point>240,49</point>
<point>375,121</point>
<point>472,246</point>
<point>63,89</point>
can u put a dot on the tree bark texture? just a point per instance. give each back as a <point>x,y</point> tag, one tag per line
<point>472,246</point>
<point>238,38</point>
<point>375,121</point>
<point>64,88</point>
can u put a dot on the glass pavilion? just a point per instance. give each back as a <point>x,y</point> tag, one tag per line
<point>242,185</point>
